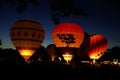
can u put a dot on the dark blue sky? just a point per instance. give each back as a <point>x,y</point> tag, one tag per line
<point>103,18</point>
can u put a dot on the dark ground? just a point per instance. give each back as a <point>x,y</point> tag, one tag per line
<point>58,71</point>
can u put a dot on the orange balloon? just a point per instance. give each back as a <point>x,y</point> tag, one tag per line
<point>68,34</point>
<point>68,37</point>
<point>27,36</point>
<point>98,44</point>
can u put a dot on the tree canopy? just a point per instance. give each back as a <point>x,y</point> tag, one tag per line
<point>59,8</point>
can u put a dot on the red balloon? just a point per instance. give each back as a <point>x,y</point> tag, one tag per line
<point>98,45</point>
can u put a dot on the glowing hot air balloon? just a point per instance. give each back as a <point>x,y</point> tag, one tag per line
<point>98,45</point>
<point>67,36</point>
<point>27,36</point>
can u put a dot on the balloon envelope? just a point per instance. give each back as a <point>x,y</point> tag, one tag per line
<point>51,50</point>
<point>84,48</point>
<point>68,34</point>
<point>98,44</point>
<point>27,36</point>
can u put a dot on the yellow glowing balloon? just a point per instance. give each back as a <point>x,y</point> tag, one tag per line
<point>67,57</point>
<point>27,36</point>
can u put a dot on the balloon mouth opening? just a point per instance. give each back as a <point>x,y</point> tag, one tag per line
<point>26,54</point>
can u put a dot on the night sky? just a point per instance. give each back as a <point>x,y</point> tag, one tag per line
<point>103,18</point>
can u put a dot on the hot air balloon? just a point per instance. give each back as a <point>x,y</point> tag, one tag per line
<point>84,48</point>
<point>40,55</point>
<point>68,36</point>
<point>27,36</point>
<point>98,45</point>
<point>51,50</point>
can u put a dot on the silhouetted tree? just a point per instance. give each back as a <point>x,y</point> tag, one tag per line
<point>59,8</point>
<point>64,8</point>
<point>110,54</point>
<point>0,43</point>
<point>115,52</point>
<point>11,57</point>
<point>66,38</point>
